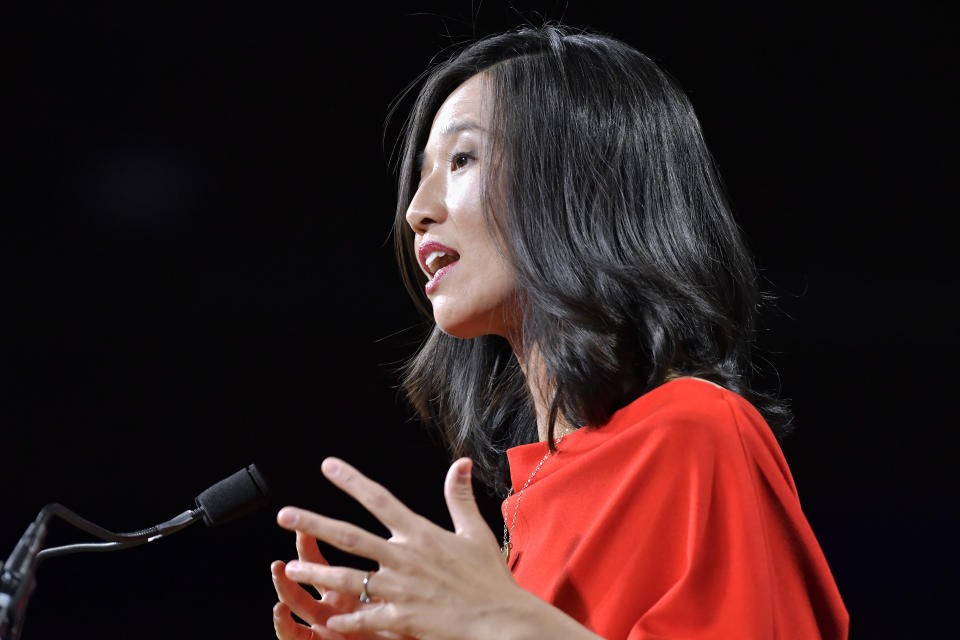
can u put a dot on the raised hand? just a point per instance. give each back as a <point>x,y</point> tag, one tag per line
<point>295,599</point>
<point>432,583</point>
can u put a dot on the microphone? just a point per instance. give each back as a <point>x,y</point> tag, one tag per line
<point>233,497</point>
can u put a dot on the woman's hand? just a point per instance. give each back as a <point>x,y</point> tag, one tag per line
<point>431,584</point>
<point>295,599</point>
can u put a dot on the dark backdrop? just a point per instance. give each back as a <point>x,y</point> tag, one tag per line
<point>198,276</point>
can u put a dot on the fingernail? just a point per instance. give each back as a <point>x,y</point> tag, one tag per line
<point>466,470</point>
<point>331,467</point>
<point>294,567</point>
<point>287,517</point>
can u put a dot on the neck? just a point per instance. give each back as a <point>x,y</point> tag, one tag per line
<point>541,391</point>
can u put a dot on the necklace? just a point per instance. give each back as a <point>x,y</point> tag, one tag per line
<point>508,532</point>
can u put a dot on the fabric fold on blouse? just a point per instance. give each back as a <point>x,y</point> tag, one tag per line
<point>677,519</point>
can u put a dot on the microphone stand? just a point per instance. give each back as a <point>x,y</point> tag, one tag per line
<point>232,497</point>
<point>18,578</point>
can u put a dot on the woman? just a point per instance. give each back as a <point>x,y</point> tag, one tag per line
<point>560,219</point>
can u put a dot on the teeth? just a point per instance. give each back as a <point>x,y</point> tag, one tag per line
<point>432,258</point>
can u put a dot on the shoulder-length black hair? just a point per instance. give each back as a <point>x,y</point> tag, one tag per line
<point>629,264</point>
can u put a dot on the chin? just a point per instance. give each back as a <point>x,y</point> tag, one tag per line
<point>487,324</point>
<point>465,331</point>
<point>495,315</point>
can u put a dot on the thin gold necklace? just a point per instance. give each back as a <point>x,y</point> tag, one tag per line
<point>508,532</point>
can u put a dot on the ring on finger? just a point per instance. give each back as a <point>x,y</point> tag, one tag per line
<point>364,594</point>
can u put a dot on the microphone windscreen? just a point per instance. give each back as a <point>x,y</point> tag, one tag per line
<point>234,496</point>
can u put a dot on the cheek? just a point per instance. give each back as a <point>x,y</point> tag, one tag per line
<point>463,195</point>
<point>482,303</point>
<point>500,281</point>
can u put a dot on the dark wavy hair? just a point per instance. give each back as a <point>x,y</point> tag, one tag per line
<point>607,203</point>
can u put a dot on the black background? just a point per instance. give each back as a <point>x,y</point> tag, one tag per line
<point>198,275</point>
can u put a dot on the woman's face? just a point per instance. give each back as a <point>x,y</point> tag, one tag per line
<point>471,285</point>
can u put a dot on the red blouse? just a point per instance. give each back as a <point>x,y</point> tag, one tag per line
<point>677,519</point>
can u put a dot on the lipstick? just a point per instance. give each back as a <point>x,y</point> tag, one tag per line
<point>437,261</point>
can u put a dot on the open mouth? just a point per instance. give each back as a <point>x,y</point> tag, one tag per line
<point>439,266</point>
<point>436,260</point>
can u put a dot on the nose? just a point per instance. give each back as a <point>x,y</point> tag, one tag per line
<point>427,207</point>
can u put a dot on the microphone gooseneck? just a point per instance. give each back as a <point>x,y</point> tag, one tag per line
<point>231,498</point>
<point>117,540</point>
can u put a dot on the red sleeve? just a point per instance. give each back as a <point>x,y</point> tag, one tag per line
<point>734,554</point>
<point>677,519</point>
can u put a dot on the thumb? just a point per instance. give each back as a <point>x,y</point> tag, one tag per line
<point>458,492</point>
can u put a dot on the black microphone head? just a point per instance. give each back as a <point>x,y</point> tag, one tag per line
<point>235,496</point>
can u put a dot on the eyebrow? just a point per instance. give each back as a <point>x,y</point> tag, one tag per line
<point>456,126</point>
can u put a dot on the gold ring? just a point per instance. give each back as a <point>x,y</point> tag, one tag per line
<point>364,596</point>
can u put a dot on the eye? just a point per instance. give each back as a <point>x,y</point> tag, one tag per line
<point>459,160</point>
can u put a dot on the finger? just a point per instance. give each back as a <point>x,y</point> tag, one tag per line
<point>342,579</point>
<point>374,497</point>
<point>297,598</point>
<point>380,618</point>
<point>325,633</point>
<point>308,550</point>
<point>339,600</point>
<point>342,535</point>
<point>458,492</point>
<point>286,628</point>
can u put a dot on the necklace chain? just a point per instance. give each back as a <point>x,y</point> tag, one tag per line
<point>508,531</point>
